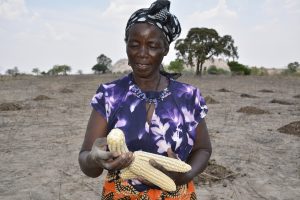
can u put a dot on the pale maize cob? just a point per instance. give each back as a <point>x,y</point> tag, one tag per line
<point>128,174</point>
<point>116,141</point>
<point>170,164</point>
<point>146,171</point>
<point>141,167</point>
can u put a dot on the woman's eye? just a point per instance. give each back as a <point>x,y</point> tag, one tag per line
<point>153,46</point>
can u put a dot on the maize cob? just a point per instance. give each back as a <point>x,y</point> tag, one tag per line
<point>146,171</point>
<point>140,167</point>
<point>170,164</point>
<point>116,141</point>
<point>127,174</point>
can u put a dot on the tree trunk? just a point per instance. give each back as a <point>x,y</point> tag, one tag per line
<point>201,64</point>
<point>198,72</point>
<point>199,68</point>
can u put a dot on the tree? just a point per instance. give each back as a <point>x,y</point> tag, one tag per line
<point>99,68</point>
<point>292,67</point>
<point>103,64</point>
<point>13,72</point>
<point>36,71</point>
<point>176,66</point>
<point>59,69</point>
<point>201,44</point>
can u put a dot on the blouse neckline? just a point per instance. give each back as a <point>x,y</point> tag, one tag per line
<point>149,96</point>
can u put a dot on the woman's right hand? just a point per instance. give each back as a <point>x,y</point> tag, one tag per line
<point>108,160</point>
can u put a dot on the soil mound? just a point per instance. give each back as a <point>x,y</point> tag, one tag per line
<point>66,90</point>
<point>292,128</point>
<point>251,110</point>
<point>223,90</point>
<point>281,102</point>
<point>210,100</point>
<point>9,107</point>
<point>214,173</point>
<point>297,96</point>
<point>41,98</point>
<point>248,96</point>
<point>266,91</point>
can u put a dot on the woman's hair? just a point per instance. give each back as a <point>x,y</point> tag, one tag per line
<point>158,15</point>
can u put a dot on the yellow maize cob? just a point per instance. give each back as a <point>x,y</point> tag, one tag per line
<point>116,141</point>
<point>170,164</point>
<point>146,171</point>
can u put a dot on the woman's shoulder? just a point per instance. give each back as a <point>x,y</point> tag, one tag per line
<point>181,86</point>
<point>116,85</point>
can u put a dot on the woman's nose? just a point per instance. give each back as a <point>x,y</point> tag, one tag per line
<point>143,51</point>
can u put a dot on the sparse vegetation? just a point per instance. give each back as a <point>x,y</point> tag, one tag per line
<point>258,71</point>
<point>12,72</point>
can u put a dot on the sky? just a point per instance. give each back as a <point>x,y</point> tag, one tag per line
<point>43,33</point>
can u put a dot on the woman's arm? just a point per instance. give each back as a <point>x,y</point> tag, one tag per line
<point>201,152</point>
<point>93,157</point>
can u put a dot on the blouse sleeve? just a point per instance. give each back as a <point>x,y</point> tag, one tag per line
<point>200,107</point>
<point>98,101</point>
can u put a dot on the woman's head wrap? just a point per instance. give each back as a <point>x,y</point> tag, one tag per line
<point>158,15</point>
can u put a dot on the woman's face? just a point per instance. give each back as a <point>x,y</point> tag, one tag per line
<point>146,48</point>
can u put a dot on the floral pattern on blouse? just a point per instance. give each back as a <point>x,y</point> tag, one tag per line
<point>178,110</point>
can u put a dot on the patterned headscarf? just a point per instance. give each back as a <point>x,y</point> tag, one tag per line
<point>158,15</point>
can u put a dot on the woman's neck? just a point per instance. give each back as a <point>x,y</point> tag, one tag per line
<point>152,83</point>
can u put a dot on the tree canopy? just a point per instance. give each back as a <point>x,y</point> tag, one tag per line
<point>13,72</point>
<point>202,44</point>
<point>176,66</point>
<point>292,67</point>
<point>103,64</point>
<point>36,71</point>
<point>59,69</point>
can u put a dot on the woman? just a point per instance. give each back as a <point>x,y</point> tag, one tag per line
<point>156,113</point>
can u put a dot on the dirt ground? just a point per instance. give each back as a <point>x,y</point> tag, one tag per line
<point>43,121</point>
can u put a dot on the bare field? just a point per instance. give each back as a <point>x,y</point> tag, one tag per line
<point>43,121</point>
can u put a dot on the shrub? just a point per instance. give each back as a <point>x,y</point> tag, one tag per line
<point>214,70</point>
<point>238,69</point>
<point>176,66</point>
<point>258,71</point>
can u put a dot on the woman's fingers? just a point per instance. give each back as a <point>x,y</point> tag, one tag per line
<point>171,154</point>
<point>157,166</point>
<point>118,163</point>
<point>101,143</point>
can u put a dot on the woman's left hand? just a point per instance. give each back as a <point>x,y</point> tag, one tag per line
<point>177,177</point>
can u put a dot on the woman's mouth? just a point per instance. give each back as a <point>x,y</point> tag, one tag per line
<point>141,66</point>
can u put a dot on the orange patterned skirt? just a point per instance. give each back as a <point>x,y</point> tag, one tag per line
<point>116,188</point>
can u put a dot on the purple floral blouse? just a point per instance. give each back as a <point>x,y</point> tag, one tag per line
<point>178,110</point>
